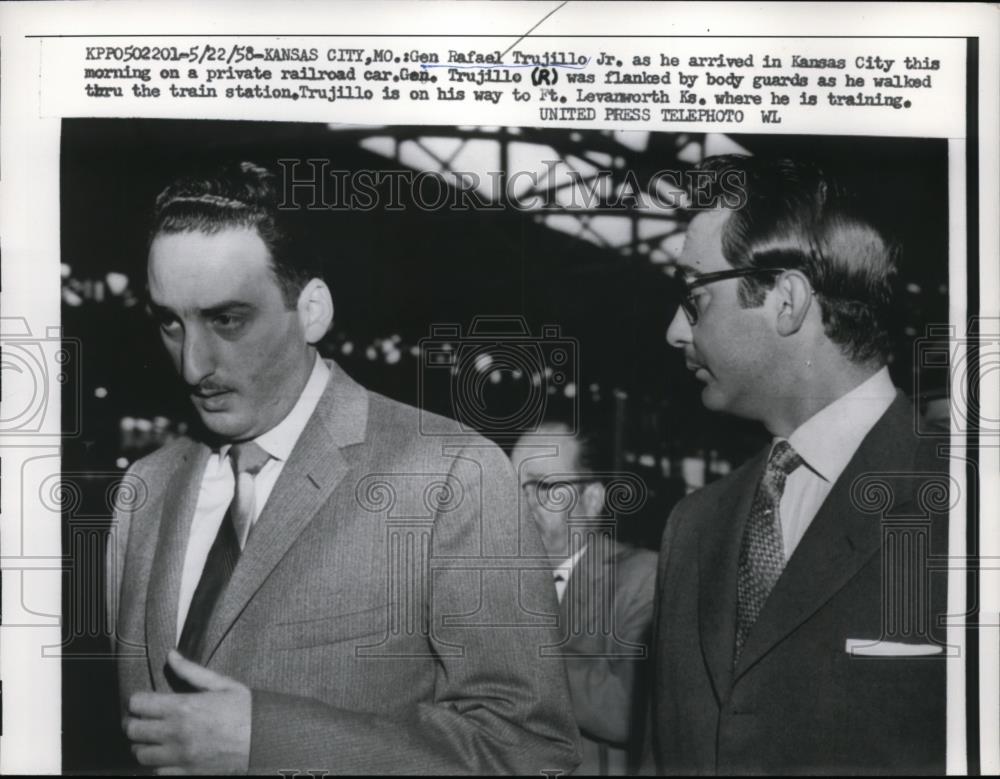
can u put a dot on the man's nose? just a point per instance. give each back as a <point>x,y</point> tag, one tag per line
<point>196,358</point>
<point>679,330</point>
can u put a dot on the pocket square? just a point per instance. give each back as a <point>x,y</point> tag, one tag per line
<point>870,647</point>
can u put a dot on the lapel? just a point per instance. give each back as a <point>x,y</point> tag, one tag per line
<point>718,557</point>
<point>168,561</point>
<point>841,538</point>
<point>314,469</point>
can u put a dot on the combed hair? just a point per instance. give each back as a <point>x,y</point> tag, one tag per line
<point>593,431</point>
<point>239,195</point>
<point>796,216</point>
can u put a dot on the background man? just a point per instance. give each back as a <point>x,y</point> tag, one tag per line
<point>605,588</point>
<point>787,637</point>
<point>279,571</point>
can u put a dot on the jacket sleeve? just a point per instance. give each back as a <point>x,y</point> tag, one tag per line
<point>499,705</point>
<point>647,753</point>
<point>604,688</point>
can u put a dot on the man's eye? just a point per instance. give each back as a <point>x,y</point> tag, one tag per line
<point>168,324</point>
<point>558,489</point>
<point>227,321</point>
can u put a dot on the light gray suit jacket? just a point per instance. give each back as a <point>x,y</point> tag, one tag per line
<point>388,609</point>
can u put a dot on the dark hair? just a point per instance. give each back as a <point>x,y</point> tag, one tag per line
<point>794,215</point>
<point>594,432</point>
<point>240,195</point>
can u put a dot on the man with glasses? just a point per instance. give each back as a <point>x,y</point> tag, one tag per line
<point>605,588</point>
<point>798,629</point>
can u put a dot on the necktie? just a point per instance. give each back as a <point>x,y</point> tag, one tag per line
<point>246,460</point>
<point>762,551</point>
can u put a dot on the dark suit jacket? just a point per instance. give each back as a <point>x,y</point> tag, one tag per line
<point>379,613</point>
<point>798,702</point>
<point>607,613</point>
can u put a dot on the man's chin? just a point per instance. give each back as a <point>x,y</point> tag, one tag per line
<point>716,400</point>
<point>712,398</point>
<point>224,424</point>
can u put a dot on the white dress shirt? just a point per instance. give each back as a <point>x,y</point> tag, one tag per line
<point>564,570</point>
<point>826,442</point>
<point>218,484</point>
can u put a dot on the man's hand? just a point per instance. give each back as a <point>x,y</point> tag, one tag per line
<point>181,732</point>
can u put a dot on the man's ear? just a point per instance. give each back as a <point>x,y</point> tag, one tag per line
<point>794,299</point>
<point>315,309</point>
<point>592,500</point>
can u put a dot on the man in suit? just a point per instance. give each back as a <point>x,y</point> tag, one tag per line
<point>316,584</point>
<point>605,588</point>
<point>798,628</point>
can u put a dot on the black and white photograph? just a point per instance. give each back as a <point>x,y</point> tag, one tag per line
<point>550,293</point>
<point>651,440</point>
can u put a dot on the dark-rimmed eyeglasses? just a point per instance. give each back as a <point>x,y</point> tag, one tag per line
<point>687,285</point>
<point>542,489</point>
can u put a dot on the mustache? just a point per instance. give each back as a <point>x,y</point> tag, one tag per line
<point>208,389</point>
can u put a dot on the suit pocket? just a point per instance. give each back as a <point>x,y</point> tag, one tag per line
<point>861,647</point>
<point>330,630</point>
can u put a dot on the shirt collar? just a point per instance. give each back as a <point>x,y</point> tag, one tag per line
<point>829,438</point>
<point>281,439</point>
<point>569,563</point>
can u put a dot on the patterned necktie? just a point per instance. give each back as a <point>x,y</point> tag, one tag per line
<point>762,551</point>
<point>246,460</point>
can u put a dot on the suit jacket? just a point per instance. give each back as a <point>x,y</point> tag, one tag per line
<point>605,655</point>
<point>797,701</point>
<point>386,612</point>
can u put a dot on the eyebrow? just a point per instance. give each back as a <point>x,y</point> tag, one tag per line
<point>155,308</point>
<point>226,306</point>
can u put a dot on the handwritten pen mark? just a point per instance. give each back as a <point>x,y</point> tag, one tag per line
<point>534,28</point>
<point>500,65</point>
